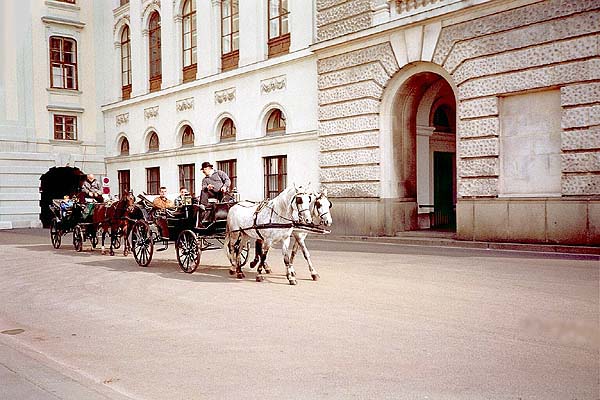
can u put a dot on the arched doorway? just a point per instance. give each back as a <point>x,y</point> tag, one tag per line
<point>55,184</point>
<point>419,131</point>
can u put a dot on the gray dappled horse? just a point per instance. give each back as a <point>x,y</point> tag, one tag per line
<point>320,210</point>
<point>269,221</point>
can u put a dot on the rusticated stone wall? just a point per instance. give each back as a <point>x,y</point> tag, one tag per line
<point>350,88</point>
<point>336,18</point>
<point>544,45</point>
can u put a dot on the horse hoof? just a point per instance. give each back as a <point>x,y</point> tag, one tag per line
<point>253,264</point>
<point>125,253</point>
<point>103,252</point>
<point>112,253</point>
<point>267,271</point>
<point>293,282</point>
<point>231,272</point>
<point>260,278</point>
<point>293,274</point>
<point>315,277</point>
<point>241,275</point>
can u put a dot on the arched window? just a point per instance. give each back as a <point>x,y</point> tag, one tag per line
<point>63,63</point>
<point>187,138</point>
<point>188,32</point>
<point>153,142</point>
<point>228,130</point>
<point>276,123</point>
<point>125,63</point>
<point>124,147</point>
<point>279,31</point>
<point>154,52</point>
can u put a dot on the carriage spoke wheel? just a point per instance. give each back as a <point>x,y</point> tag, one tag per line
<point>55,234</point>
<point>142,245</point>
<point>77,238</point>
<point>188,251</point>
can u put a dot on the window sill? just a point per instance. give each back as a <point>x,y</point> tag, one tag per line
<point>62,5</point>
<point>67,142</point>
<point>68,92</point>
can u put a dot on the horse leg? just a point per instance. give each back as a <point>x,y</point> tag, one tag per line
<point>290,272</point>
<point>126,239</point>
<point>257,253</point>
<point>112,237</point>
<point>300,242</point>
<point>263,265</point>
<point>103,238</point>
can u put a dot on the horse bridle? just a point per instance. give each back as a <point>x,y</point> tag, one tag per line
<point>317,206</point>
<point>299,201</point>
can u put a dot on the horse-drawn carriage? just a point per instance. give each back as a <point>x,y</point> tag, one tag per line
<point>194,229</point>
<point>69,215</point>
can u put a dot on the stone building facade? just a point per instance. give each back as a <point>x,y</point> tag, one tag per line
<point>518,84</point>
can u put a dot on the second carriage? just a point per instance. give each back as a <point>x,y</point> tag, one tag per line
<point>192,229</point>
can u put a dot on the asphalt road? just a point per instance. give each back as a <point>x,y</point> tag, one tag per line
<point>383,322</point>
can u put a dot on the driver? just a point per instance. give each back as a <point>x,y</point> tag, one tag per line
<point>162,202</point>
<point>214,185</point>
<point>91,188</point>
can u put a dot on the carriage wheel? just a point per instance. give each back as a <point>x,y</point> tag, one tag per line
<point>55,234</point>
<point>188,251</point>
<point>142,245</point>
<point>244,254</point>
<point>77,238</point>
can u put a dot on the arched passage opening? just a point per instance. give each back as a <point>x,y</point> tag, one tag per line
<point>55,184</point>
<point>419,127</point>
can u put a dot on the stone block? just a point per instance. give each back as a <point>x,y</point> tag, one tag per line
<point>324,4</point>
<point>580,185</point>
<point>506,21</point>
<point>580,162</point>
<point>371,71</point>
<point>464,219</point>
<point>478,167</point>
<point>580,94</point>
<point>581,139</point>
<point>381,53</point>
<point>349,109</point>
<point>477,187</point>
<point>483,107</point>
<point>531,57</point>
<point>478,147</point>
<point>350,174</point>
<point>366,89</point>
<point>566,221</point>
<point>490,221</point>
<point>349,141</point>
<point>582,116</point>
<point>353,189</point>
<point>530,79</point>
<point>527,220</point>
<point>344,27</point>
<point>349,157</point>
<point>478,127</point>
<point>348,125</point>
<point>342,11</point>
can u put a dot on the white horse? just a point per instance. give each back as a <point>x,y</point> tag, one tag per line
<point>271,222</point>
<point>320,210</point>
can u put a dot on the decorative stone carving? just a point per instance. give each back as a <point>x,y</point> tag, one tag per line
<point>149,4</point>
<point>185,104</point>
<point>122,119</point>
<point>273,84</point>
<point>151,112</point>
<point>405,6</point>
<point>124,20</point>
<point>225,95</point>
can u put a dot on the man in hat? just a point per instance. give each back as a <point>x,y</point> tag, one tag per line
<point>214,186</point>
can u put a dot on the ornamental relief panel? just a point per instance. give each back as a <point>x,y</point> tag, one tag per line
<point>225,95</point>
<point>121,119</point>
<point>151,112</point>
<point>185,104</point>
<point>273,84</point>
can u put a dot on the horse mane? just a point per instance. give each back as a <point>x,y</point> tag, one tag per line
<point>281,202</point>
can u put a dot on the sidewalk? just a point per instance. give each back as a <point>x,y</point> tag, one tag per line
<point>447,239</point>
<point>28,375</point>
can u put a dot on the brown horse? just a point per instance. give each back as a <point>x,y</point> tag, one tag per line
<point>114,217</point>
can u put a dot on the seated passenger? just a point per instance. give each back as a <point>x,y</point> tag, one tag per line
<point>162,202</point>
<point>181,199</point>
